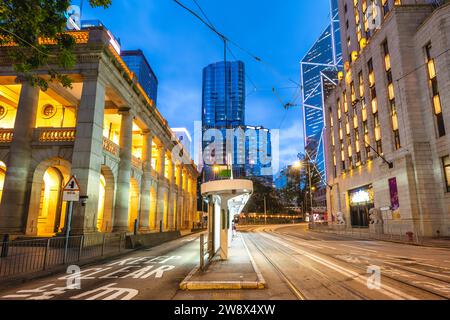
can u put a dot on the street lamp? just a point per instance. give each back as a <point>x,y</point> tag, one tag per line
<point>216,170</point>
<point>297,165</point>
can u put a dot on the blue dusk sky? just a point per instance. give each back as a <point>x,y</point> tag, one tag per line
<point>178,47</point>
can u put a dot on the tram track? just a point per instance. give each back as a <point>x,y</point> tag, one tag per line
<point>297,293</point>
<point>359,267</point>
<point>392,263</point>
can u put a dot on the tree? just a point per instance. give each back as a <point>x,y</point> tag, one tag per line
<point>24,22</point>
<point>296,193</point>
<point>256,202</point>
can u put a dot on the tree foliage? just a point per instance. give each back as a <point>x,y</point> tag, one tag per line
<point>296,192</point>
<point>256,202</point>
<point>24,22</point>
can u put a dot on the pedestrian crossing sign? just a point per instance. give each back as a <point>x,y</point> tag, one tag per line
<point>71,191</point>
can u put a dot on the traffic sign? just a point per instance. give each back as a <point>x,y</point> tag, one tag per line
<point>71,191</point>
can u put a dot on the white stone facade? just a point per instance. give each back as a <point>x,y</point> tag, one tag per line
<point>404,130</point>
<point>159,192</point>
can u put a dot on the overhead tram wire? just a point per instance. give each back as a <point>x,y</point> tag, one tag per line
<point>255,88</point>
<point>208,24</point>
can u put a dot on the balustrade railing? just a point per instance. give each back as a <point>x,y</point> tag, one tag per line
<point>111,147</point>
<point>6,135</point>
<point>56,134</point>
<point>136,162</point>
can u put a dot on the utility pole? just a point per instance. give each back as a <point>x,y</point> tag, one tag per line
<point>310,192</point>
<point>265,210</point>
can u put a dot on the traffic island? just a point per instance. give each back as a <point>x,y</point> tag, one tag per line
<point>239,272</point>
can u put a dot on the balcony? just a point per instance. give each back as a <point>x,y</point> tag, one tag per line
<point>54,135</point>
<point>136,162</point>
<point>6,136</point>
<point>111,147</point>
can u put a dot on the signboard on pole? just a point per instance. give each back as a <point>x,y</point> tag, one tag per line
<point>71,191</point>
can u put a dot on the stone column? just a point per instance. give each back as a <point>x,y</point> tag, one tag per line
<point>144,215</point>
<point>88,154</point>
<point>16,194</point>
<point>179,199</point>
<point>172,195</point>
<point>162,188</point>
<point>123,180</point>
<point>161,163</point>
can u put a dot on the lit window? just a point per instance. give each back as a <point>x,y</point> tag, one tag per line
<point>446,164</point>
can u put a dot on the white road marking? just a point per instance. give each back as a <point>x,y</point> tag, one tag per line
<point>302,241</point>
<point>108,293</point>
<point>359,248</point>
<point>16,296</point>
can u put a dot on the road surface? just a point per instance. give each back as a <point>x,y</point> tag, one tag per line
<point>297,264</point>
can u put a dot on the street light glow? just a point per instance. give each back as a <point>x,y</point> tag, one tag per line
<point>298,165</point>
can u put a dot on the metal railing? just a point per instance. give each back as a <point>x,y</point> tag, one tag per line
<point>30,256</point>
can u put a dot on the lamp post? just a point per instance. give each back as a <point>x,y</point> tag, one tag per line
<point>298,165</point>
<point>265,210</point>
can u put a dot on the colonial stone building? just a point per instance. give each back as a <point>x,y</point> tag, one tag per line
<point>388,118</point>
<point>106,132</point>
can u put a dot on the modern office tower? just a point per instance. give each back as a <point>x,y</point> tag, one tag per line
<point>319,67</point>
<point>139,65</point>
<point>388,118</point>
<point>223,108</point>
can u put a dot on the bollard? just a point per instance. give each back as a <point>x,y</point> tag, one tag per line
<point>410,235</point>
<point>135,226</point>
<point>160,226</point>
<point>103,244</point>
<point>5,246</point>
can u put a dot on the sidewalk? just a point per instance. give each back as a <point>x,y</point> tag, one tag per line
<point>238,272</point>
<point>403,239</point>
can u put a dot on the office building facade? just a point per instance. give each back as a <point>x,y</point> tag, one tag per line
<point>388,119</point>
<point>223,108</point>
<point>138,64</point>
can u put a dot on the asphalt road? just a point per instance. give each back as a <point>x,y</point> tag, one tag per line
<point>296,264</point>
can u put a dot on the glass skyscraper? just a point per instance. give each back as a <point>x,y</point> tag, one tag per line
<point>319,67</point>
<point>223,108</point>
<point>139,65</point>
<point>220,112</point>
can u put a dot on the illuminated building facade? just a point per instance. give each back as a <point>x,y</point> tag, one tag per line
<point>387,120</point>
<point>107,132</point>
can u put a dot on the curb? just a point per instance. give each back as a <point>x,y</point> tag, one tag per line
<point>188,285</point>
